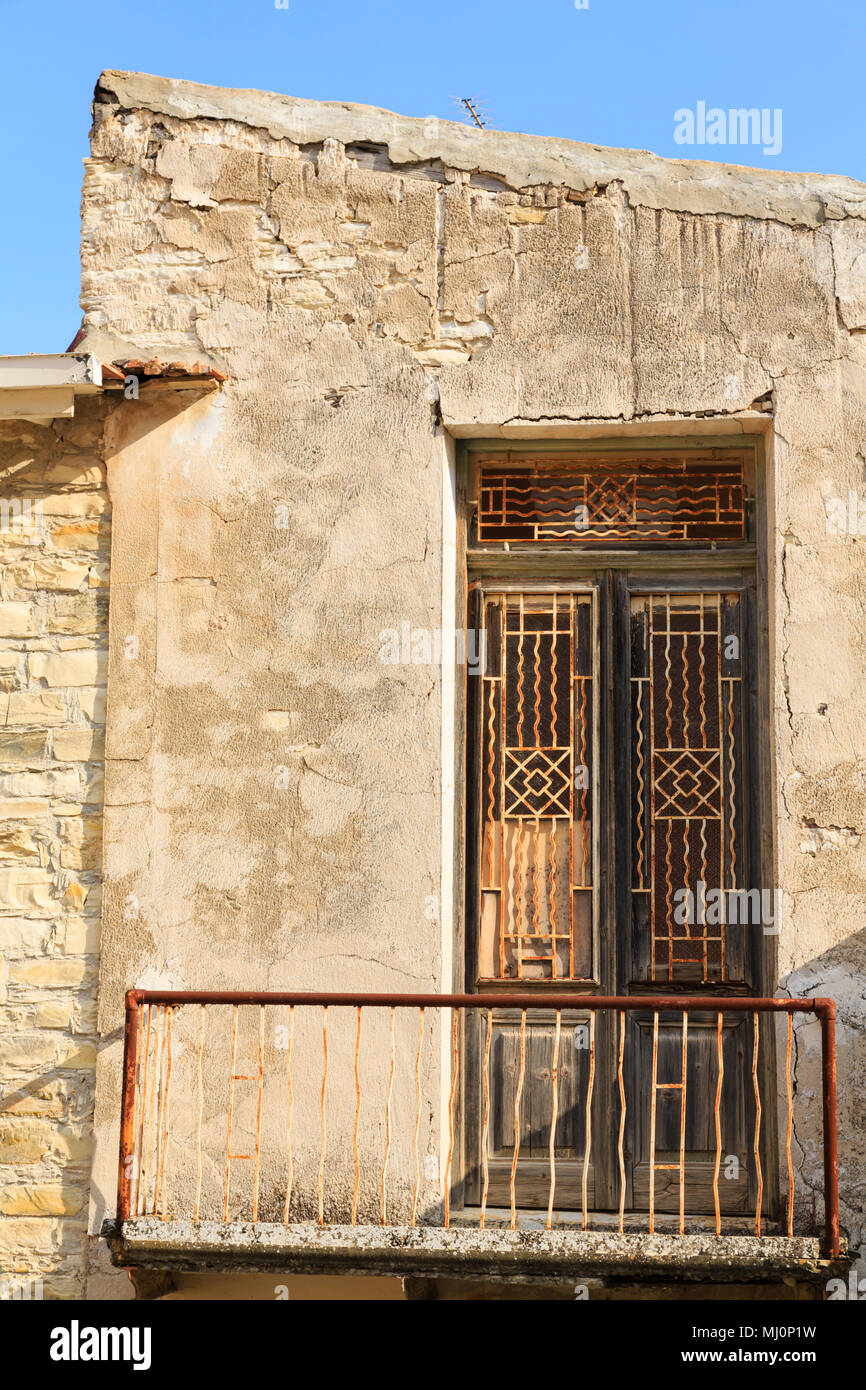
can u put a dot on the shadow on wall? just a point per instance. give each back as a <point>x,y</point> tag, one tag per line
<point>840,974</point>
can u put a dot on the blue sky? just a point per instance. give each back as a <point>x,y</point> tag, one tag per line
<point>614,73</point>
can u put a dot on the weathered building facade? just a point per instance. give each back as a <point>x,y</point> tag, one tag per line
<point>372,389</point>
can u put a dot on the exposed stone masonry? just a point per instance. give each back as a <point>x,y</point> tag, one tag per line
<point>54,548</point>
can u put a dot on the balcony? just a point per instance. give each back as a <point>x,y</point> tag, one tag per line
<point>473,1136</point>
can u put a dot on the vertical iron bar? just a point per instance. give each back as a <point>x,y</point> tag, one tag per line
<point>324,1120</point>
<point>831,1173</point>
<point>720,1072</point>
<point>554,1117</point>
<point>683,1121</point>
<point>454,1074</point>
<point>154,1091</point>
<point>388,1122</point>
<point>231,1111</point>
<point>757,1150</point>
<point>231,1107</point>
<point>159,1075</point>
<point>200,1087</point>
<point>169,1013</point>
<point>789,1126</point>
<point>517,1095</point>
<point>652,1171</point>
<point>485,1126</point>
<point>290,1107</point>
<point>127,1109</point>
<point>143,1034</point>
<point>622,1113</point>
<point>258,1157</point>
<point>587,1146</point>
<point>417,1114</point>
<point>357,1121</point>
<point>142,1125</point>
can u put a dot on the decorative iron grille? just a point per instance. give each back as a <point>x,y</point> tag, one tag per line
<point>536,775</point>
<point>687,781</point>
<point>628,501</point>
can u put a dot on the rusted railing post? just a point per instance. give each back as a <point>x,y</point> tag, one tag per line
<point>827,1014</point>
<point>127,1108</point>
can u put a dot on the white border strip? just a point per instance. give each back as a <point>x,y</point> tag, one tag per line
<point>447,462</point>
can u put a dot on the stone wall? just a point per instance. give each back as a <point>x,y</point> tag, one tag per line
<point>54,549</point>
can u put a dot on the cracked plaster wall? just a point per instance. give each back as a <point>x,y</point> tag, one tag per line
<point>366,280</point>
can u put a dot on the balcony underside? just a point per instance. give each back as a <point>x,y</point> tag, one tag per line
<point>523,1255</point>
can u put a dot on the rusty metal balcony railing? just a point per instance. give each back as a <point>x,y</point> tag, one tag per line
<point>322,1151</point>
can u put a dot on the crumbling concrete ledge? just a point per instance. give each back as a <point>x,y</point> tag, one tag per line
<point>517,161</point>
<point>432,1251</point>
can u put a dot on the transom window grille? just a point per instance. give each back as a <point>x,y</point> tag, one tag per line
<point>677,500</point>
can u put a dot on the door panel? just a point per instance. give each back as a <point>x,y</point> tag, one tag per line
<point>691,1147</point>
<point>535,1110</point>
<point>533,720</point>
<point>536,850</point>
<point>689,856</point>
<point>688,765</point>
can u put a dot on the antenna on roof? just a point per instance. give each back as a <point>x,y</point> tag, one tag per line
<point>479,117</point>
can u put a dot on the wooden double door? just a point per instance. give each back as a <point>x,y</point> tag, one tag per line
<point>613,834</point>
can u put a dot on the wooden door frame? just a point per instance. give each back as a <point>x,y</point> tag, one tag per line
<point>732,567</point>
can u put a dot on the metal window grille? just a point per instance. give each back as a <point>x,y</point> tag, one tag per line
<point>672,500</point>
